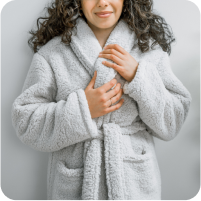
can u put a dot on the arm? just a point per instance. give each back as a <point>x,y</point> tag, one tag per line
<point>163,101</point>
<point>44,124</point>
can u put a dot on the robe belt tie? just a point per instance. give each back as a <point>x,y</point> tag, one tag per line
<point>112,145</point>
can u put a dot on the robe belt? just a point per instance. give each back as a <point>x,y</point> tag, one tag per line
<point>112,145</point>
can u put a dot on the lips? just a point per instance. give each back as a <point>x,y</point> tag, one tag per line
<point>102,13</point>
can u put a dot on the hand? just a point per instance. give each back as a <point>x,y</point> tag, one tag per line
<point>124,64</point>
<point>99,99</point>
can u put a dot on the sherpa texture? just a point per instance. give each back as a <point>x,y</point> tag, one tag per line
<point>112,156</point>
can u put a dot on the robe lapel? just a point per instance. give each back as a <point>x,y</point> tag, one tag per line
<point>87,48</point>
<point>85,45</point>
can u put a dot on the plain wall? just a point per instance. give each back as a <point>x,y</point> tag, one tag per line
<point>24,170</point>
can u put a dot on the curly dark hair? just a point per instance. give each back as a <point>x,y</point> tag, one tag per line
<point>138,14</point>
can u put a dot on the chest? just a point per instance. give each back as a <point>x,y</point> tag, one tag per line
<point>71,75</point>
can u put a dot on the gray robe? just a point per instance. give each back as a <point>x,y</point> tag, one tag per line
<point>112,156</point>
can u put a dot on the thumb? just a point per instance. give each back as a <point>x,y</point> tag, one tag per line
<point>92,82</point>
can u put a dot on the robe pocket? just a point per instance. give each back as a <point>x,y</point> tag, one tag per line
<point>68,182</point>
<point>141,180</point>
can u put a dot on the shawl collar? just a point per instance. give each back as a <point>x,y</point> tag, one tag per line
<point>87,48</point>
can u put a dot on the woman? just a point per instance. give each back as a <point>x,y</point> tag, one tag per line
<point>71,103</point>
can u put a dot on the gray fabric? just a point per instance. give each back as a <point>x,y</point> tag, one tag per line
<point>112,156</point>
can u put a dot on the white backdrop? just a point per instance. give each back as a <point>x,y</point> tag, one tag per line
<point>24,170</point>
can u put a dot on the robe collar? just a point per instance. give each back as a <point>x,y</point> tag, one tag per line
<point>87,48</point>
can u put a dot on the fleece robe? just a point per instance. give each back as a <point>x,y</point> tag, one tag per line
<point>111,156</point>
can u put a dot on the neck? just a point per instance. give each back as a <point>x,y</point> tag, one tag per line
<point>101,34</point>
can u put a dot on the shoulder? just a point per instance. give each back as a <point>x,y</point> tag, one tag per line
<point>52,48</point>
<point>153,55</point>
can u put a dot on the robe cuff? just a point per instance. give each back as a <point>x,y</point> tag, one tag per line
<point>136,86</point>
<point>90,123</point>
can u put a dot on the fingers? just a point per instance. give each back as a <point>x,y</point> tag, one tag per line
<point>117,97</point>
<point>107,86</point>
<point>118,93</point>
<point>114,107</point>
<point>113,92</point>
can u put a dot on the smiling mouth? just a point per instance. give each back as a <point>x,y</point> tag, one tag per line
<point>103,15</point>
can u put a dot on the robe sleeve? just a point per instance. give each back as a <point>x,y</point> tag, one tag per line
<point>163,101</point>
<point>43,123</point>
